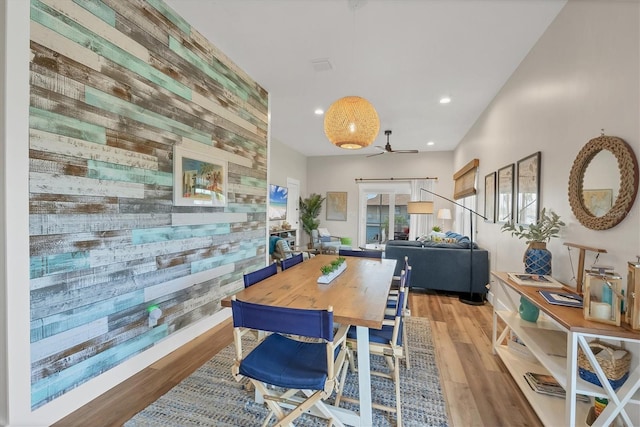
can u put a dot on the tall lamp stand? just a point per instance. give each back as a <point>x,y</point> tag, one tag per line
<point>470,297</point>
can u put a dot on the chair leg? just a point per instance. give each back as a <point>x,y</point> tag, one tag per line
<point>343,377</point>
<point>405,346</point>
<point>396,379</point>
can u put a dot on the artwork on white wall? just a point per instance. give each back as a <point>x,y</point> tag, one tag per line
<point>336,206</point>
<point>527,200</point>
<point>505,193</point>
<point>490,197</point>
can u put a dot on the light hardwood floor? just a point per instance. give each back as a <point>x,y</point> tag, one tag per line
<point>478,389</point>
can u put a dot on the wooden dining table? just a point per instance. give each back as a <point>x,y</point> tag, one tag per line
<point>358,297</point>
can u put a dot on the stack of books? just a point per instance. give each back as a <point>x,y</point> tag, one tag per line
<point>546,384</point>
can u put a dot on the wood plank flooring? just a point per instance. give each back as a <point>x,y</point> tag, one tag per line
<point>478,389</point>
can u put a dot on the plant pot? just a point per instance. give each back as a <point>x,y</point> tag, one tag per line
<point>327,278</point>
<point>537,259</point>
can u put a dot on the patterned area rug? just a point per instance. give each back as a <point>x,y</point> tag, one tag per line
<point>211,396</point>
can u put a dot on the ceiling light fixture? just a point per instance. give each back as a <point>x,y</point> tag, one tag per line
<point>445,100</point>
<point>352,123</point>
<point>319,111</point>
<point>430,143</point>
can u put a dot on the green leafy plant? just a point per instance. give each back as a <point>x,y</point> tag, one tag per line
<point>309,211</point>
<point>436,228</point>
<point>327,269</point>
<point>547,226</point>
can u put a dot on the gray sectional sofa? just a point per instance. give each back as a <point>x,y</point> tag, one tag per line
<point>441,266</point>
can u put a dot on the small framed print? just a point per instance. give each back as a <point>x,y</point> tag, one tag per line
<point>528,189</point>
<point>505,194</point>
<point>198,179</point>
<point>490,197</point>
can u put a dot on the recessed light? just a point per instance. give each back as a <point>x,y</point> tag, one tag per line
<point>430,143</point>
<point>319,111</point>
<point>445,100</point>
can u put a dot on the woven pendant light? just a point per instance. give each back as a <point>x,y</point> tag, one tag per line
<point>352,123</point>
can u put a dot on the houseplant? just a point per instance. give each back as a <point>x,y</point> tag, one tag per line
<point>537,259</point>
<point>332,270</point>
<point>309,211</point>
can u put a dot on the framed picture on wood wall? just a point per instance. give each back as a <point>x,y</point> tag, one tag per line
<point>198,179</point>
<point>505,193</point>
<point>528,189</point>
<point>490,197</point>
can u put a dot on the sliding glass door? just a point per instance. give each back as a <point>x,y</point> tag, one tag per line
<point>383,213</point>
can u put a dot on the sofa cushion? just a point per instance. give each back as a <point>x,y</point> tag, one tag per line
<point>450,245</point>
<point>415,243</point>
<point>463,241</point>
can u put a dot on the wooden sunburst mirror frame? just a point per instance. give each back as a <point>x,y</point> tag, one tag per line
<point>628,168</point>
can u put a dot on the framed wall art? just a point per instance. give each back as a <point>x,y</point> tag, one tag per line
<point>336,206</point>
<point>490,197</point>
<point>198,179</point>
<point>505,194</point>
<point>528,189</point>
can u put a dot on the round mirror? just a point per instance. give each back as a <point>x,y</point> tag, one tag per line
<point>603,182</point>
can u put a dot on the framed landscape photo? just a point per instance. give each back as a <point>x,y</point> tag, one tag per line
<point>528,189</point>
<point>198,179</point>
<point>490,197</point>
<point>336,206</point>
<point>505,194</point>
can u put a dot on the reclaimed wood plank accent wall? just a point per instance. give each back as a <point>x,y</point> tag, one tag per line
<point>115,86</point>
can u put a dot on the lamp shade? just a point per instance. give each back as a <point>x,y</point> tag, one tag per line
<point>444,214</point>
<point>352,123</point>
<point>420,207</point>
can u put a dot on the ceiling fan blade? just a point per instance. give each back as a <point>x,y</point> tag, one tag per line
<point>377,154</point>
<point>406,151</point>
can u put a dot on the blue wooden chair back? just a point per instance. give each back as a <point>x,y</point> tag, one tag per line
<point>283,320</point>
<point>258,275</point>
<point>362,253</point>
<point>304,372</point>
<point>290,262</point>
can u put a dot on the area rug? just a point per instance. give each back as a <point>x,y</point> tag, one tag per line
<point>212,397</point>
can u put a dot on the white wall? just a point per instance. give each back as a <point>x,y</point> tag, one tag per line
<point>338,173</point>
<point>581,76</point>
<point>3,155</point>
<point>285,162</point>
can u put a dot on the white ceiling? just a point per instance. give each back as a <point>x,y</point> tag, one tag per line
<point>401,55</point>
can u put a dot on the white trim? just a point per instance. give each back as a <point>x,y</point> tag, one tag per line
<point>17,393</point>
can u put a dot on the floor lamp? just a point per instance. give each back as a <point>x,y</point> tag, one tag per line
<point>422,207</point>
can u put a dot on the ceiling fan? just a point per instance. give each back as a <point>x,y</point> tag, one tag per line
<point>387,148</point>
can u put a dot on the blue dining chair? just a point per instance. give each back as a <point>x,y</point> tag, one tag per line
<point>395,283</point>
<point>363,253</point>
<point>290,262</point>
<point>259,275</point>
<point>387,342</point>
<point>286,371</point>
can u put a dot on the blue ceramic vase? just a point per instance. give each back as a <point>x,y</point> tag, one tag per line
<point>537,259</point>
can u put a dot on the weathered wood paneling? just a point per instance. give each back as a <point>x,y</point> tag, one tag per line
<point>115,86</point>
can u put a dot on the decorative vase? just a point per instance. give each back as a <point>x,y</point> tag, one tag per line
<point>528,311</point>
<point>537,259</point>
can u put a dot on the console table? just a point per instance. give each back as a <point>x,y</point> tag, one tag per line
<point>554,342</point>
